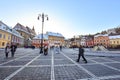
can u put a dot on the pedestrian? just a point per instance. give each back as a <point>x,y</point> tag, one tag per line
<point>46,50</point>
<point>13,49</point>
<point>60,47</point>
<point>81,53</point>
<point>7,49</point>
<point>57,49</point>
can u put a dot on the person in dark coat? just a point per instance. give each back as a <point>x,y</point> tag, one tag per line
<point>81,53</point>
<point>13,49</point>
<point>45,50</point>
<point>7,50</point>
<point>60,47</point>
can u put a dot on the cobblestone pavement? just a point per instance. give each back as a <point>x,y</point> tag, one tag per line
<point>28,64</point>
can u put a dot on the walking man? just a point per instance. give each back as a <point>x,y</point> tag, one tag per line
<point>81,53</point>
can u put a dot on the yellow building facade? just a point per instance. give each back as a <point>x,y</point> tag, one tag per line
<point>5,38</point>
<point>50,39</point>
<point>9,35</point>
<point>55,39</point>
<point>114,40</point>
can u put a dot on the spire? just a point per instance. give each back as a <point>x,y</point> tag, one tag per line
<point>33,28</point>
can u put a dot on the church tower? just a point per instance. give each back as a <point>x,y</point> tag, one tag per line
<point>33,30</point>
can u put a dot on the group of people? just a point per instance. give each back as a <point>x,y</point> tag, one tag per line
<point>57,49</point>
<point>10,48</point>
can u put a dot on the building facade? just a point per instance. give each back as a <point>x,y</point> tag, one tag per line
<point>9,35</point>
<point>83,41</point>
<point>55,39</point>
<point>67,43</point>
<point>36,41</point>
<point>17,38</point>
<point>114,40</point>
<point>5,35</point>
<point>50,39</point>
<point>26,33</point>
<point>89,41</point>
<point>101,39</point>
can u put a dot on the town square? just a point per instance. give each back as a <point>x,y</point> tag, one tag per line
<point>59,40</point>
<point>29,64</point>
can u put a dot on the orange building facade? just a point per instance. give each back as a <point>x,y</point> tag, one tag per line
<point>101,40</point>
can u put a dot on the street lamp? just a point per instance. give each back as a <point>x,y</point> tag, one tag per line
<point>80,40</point>
<point>43,16</point>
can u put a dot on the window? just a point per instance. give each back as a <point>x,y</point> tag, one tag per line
<point>0,35</point>
<point>4,36</point>
<point>110,42</point>
<point>117,42</point>
<point>103,40</point>
<point>8,37</point>
<point>3,43</point>
<point>114,41</point>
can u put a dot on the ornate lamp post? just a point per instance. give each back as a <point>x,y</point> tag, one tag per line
<point>43,16</point>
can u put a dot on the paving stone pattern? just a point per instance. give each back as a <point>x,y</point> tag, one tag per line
<point>29,64</point>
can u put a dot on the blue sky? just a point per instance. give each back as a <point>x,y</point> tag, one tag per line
<point>68,17</point>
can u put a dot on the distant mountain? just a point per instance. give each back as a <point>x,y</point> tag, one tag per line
<point>112,31</point>
<point>117,30</point>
